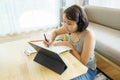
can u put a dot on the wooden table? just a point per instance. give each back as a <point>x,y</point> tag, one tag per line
<point>15,65</point>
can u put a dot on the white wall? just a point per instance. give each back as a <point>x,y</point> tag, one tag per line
<point>71,2</point>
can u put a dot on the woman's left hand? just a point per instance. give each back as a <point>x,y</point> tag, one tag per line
<point>63,43</point>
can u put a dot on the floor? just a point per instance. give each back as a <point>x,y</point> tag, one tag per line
<point>24,35</point>
<point>108,67</point>
<point>101,76</point>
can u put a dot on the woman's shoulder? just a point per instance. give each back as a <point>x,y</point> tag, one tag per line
<point>90,34</point>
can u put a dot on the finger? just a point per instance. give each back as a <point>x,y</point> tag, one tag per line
<point>57,44</point>
<point>46,43</point>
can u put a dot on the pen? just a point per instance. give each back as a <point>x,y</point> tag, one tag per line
<point>45,38</point>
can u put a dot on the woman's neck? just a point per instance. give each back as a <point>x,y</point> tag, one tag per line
<point>75,36</point>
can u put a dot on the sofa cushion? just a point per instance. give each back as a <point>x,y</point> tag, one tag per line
<point>106,16</point>
<point>108,41</point>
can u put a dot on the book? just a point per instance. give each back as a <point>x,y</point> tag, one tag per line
<point>56,49</point>
<point>29,50</point>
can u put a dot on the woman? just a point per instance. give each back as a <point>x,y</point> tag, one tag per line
<point>80,39</point>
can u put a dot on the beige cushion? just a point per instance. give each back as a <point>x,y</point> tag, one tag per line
<point>109,17</point>
<point>108,41</point>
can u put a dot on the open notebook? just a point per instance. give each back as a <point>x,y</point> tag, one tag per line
<point>56,49</point>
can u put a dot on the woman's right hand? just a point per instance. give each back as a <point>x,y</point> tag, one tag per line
<point>47,43</point>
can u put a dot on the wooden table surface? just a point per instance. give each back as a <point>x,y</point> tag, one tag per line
<point>16,65</point>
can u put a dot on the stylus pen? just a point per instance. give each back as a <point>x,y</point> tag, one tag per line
<point>45,38</point>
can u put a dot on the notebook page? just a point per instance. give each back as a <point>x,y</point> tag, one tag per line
<point>56,49</point>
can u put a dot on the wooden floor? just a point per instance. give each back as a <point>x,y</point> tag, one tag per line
<point>108,67</point>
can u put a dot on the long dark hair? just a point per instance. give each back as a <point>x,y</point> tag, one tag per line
<point>77,14</point>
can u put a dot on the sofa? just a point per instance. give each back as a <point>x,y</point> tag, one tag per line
<point>105,22</point>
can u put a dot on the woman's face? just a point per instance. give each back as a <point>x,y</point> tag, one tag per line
<point>71,26</point>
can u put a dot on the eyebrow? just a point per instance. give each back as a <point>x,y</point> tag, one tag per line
<point>67,20</point>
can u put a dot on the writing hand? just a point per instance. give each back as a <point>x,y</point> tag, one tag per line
<point>63,43</point>
<point>47,43</point>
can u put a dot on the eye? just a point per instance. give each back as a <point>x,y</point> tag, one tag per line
<point>64,21</point>
<point>69,23</point>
